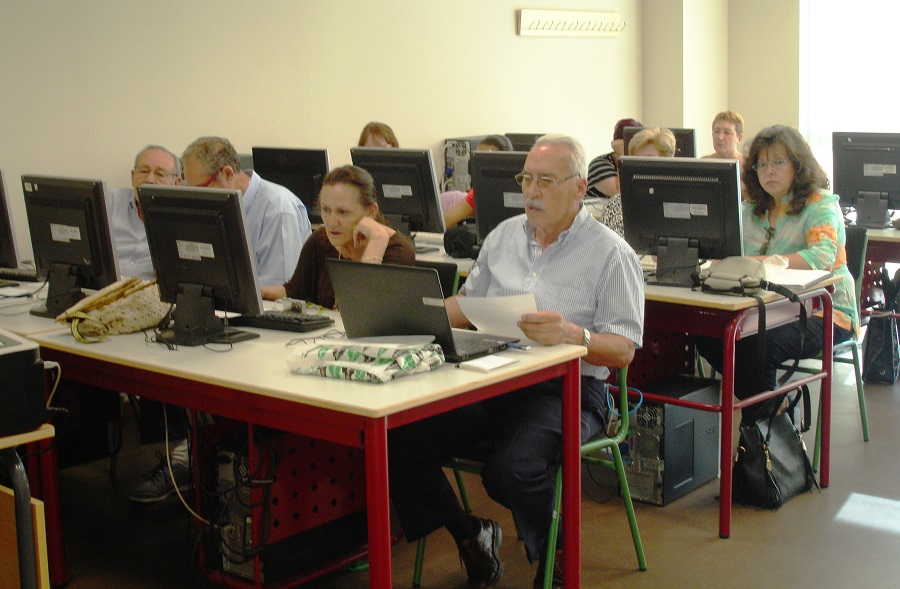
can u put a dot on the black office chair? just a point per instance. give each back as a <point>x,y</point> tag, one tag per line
<point>448,273</point>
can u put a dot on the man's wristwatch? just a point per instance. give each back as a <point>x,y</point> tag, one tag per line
<point>587,339</point>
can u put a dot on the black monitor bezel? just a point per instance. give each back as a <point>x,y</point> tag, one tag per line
<point>381,163</point>
<point>302,174</point>
<point>685,140</point>
<point>492,207</point>
<point>523,141</point>
<point>174,212</point>
<point>68,272</point>
<point>872,196</point>
<point>9,257</point>
<point>645,219</point>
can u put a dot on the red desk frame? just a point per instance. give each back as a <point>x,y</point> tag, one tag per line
<point>327,424</point>
<point>683,317</point>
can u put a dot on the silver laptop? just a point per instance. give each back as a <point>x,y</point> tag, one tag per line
<point>383,300</point>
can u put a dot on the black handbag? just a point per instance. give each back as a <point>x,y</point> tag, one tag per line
<point>881,351</point>
<point>771,464</point>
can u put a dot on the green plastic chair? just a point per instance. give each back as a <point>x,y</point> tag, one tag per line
<point>857,244</point>
<point>588,454</point>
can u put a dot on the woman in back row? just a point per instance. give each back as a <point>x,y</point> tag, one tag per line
<point>353,228</point>
<point>787,212</point>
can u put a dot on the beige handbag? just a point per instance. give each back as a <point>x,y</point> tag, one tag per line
<point>127,306</point>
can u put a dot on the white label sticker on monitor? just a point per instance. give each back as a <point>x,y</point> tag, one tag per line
<point>396,190</point>
<point>194,250</point>
<point>676,210</point>
<point>875,170</point>
<point>699,210</point>
<point>432,302</point>
<point>64,233</point>
<point>514,200</point>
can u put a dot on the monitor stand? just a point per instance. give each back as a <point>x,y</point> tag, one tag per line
<point>872,210</point>
<point>677,261</point>
<point>195,322</point>
<point>63,290</point>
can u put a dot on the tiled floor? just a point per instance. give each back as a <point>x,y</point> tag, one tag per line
<point>111,543</point>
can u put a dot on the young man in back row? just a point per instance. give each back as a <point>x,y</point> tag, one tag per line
<point>588,287</point>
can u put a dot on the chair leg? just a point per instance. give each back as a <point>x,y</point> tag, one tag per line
<point>463,494</point>
<point>861,393</point>
<point>629,507</point>
<point>818,448</point>
<point>420,561</point>
<point>550,554</point>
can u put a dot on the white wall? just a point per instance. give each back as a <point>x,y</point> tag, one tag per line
<point>763,63</point>
<point>87,84</point>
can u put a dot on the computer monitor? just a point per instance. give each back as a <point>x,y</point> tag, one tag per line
<point>299,170</point>
<point>685,140</point>
<point>866,175</point>
<point>682,210</point>
<point>497,194</point>
<point>70,237</point>
<point>407,191</point>
<point>202,258</point>
<point>523,141</point>
<point>8,256</point>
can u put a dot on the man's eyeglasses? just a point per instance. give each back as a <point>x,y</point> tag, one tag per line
<point>211,179</point>
<point>160,174</point>
<point>777,164</point>
<point>543,182</point>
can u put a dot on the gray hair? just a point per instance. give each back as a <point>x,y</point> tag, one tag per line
<point>214,153</point>
<point>163,149</point>
<point>577,160</point>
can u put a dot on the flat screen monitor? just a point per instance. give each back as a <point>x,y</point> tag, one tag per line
<point>70,237</point>
<point>299,170</point>
<point>682,210</point>
<point>866,167</point>
<point>497,194</point>
<point>523,141</point>
<point>201,254</point>
<point>406,186</point>
<point>685,140</point>
<point>8,256</point>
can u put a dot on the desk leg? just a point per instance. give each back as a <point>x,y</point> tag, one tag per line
<point>727,430</point>
<point>378,503</point>
<point>49,494</point>
<point>24,523</point>
<point>571,462</point>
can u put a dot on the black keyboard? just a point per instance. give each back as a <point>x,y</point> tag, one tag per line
<point>283,321</point>
<point>19,274</point>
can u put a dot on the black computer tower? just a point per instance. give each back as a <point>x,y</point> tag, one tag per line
<point>672,450</point>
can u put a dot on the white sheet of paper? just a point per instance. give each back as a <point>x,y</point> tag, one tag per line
<point>498,315</point>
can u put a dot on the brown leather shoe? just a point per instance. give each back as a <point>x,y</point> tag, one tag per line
<point>557,572</point>
<point>481,555</point>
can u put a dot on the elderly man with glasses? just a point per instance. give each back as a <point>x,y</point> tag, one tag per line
<point>276,219</point>
<point>153,165</point>
<point>588,286</point>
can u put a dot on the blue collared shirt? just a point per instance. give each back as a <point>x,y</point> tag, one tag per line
<point>278,226</point>
<point>589,274</point>
<point>129,235</point>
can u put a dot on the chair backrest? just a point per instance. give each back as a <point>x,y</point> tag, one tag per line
<point>448,273</point>
<point>857,243</point>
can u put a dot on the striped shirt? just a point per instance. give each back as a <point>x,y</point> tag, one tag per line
<point>601,167</point>
<point>589,275</point>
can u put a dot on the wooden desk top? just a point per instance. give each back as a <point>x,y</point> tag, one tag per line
<point>696,298</point>
<point>259,366</point>
<point>41,433</point>
<point>890,235</point>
